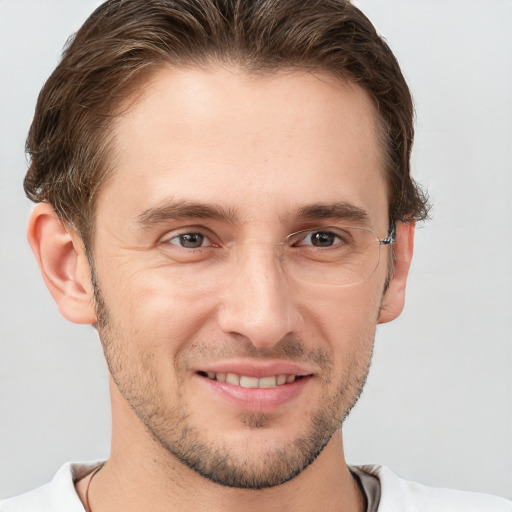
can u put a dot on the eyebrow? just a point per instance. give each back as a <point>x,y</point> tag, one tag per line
<point>196,210</point>
<point>184,210</point>
<point>334,211</point>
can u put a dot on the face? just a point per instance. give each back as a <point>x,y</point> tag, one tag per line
<point>236,366</point>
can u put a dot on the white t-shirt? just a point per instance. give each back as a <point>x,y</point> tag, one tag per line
<point>385,492</point>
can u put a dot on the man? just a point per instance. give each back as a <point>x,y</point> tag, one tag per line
<point>223,191</point>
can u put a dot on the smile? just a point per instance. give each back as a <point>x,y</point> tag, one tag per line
<point>256,386</point>
<point>246,381</point>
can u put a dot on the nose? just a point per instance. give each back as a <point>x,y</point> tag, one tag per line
<point>257,301</point>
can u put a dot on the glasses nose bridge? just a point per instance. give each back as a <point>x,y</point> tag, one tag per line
<point>266,252</point>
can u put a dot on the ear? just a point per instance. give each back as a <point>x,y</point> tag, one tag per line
<point>61,257</point>
<point>393,299</point>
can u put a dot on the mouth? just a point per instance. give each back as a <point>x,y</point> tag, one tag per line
<point>250,382</point>
<point>253,387</point>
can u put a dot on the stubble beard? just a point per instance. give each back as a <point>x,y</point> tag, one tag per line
<point>172,429</point>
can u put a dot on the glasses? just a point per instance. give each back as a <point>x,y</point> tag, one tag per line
<point>335,255</point>
<point>330,256</point>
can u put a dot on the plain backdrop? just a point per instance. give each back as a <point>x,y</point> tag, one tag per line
<point>438,404</point>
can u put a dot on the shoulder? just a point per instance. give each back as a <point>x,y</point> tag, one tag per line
<point>398,494</point>
<point>59,495</point>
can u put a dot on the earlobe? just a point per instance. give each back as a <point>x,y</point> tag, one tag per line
<point>63,263</point>
<point>393,300</point>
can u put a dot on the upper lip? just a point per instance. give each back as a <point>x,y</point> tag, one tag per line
<point>256,368</point>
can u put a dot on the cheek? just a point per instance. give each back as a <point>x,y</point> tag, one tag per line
<point>346,310</point>
<point>152,311</point>
<point>346,321</point>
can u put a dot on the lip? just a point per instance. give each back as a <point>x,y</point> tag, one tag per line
<point>256,399</point>
<point>257,369</point>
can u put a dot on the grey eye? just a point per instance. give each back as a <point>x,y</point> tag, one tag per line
<point>189,240</point>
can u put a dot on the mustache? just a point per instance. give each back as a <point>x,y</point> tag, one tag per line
<point>289,348</point>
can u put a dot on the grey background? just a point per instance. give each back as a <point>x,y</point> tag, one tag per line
<point>438,404</point>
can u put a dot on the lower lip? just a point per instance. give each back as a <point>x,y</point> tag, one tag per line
<point>257,399</point>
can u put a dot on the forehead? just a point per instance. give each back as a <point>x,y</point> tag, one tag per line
<point>258,144</point>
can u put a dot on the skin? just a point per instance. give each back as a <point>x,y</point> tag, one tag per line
<point>259,148</point>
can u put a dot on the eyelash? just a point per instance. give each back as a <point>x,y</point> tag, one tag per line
<point>172,238</point>
<point>189,234</point>
<point>317,231</point>
<point>200,232</point>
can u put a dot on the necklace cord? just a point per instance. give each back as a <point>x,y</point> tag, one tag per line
<point>93,474</point>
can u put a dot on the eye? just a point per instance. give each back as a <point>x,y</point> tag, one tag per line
<point>322,238</point>
<point>190,240</point>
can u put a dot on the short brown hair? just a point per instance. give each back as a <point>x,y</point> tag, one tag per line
<point>125,40</point>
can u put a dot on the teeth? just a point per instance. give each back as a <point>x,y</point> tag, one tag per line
<point>233,378</point>
<point>252,382</point>
<point>267,382</point>
<point>249,382</point>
